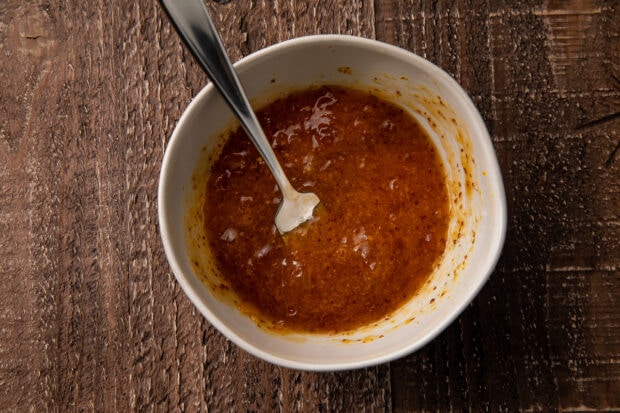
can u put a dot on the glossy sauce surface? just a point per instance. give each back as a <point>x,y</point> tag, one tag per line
<point>379,231</point>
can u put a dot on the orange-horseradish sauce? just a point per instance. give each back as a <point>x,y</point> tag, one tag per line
<point>375,238</point>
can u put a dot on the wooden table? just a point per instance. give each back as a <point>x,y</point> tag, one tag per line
<point>91,317</point>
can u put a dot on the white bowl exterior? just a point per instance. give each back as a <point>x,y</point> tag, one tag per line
<point>308,61</point>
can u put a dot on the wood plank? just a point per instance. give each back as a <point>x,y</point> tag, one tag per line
<point>31,156</point>
<point>547,216</point>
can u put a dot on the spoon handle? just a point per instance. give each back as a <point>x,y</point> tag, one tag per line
<point>192,21</point>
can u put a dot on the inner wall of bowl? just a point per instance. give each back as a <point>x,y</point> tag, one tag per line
<point>417,86</point>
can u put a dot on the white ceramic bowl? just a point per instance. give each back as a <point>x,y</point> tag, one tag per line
<point>478,203</point>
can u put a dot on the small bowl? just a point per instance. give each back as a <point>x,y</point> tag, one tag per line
<point>478,218</point>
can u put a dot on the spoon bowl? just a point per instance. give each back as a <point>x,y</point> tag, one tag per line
<point>192,21</point>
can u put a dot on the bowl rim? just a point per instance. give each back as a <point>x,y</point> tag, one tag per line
<point>497,241</point>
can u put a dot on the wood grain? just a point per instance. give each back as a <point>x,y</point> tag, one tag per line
<point>91,317</point>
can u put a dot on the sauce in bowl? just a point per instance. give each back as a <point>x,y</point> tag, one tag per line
<point>379,232</point>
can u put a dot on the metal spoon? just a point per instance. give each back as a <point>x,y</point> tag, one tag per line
<point>195,27</point>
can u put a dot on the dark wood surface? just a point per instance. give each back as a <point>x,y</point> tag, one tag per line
<point>91,317</point>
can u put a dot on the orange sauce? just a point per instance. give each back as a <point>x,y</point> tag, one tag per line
<point>377,235</point>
